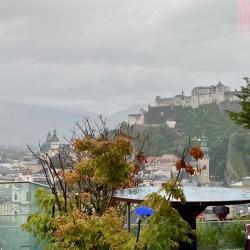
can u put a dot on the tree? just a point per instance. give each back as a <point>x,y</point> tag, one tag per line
<point>166,229</point>
<point>80,212</point>
<point>243,117</point>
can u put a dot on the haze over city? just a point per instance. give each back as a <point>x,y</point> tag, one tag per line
<point>124,124</point>
<point>104,56</point>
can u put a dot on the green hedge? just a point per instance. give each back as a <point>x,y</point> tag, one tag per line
<point>221,235</point>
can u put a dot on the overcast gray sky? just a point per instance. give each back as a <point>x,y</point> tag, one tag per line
<point>105,55</point>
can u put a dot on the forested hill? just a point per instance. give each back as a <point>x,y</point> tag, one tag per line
<point>219,130</point>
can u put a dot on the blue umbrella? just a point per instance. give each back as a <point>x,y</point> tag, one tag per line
<point>144,211</point>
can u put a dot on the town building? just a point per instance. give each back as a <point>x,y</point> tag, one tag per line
<point>14,200</point>
<point>212,94</point>
<point>158,170</point>
<point>136,119</point>
<point>178,100</point>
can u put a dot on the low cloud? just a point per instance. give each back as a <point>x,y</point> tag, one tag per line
<point>107,55</point>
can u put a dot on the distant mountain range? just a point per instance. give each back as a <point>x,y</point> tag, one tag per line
<point>22,124</point>
<point>28,124</point>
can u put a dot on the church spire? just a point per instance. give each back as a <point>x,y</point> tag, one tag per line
<point>204,146</point>
<point>182,94</point>
<point>49,137</point>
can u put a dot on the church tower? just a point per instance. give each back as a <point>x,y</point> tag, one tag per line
<point>49,137</point>
<point>54,137</point>
<point>55,142</point>
<point>203,178</point>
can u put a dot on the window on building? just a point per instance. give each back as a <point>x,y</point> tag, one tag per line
<point>15,197</point>
<point>27,196</point>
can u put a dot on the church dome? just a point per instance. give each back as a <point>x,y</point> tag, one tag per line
<point>54,137</point>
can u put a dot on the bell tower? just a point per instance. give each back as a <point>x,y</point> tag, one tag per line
<point>203,178</point>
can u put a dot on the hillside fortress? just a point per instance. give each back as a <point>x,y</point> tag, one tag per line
<point>160,112</point>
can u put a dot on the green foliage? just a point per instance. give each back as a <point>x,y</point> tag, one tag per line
<point>234,234</point>
<point>80,231</point>
<point>78,213</point>
<point>166,228</point>
<point>218,235</point>
<point>191,123</point>
<point>44,200</point>
<point>82,214</point>
<point>242,149</point>
<point>174,189</point>
<point>41,224</point>
<point>208,236</point>
<point>106,160</point>
<point>239,153</point>
<point>75,229</point>
<point>243,117</point>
